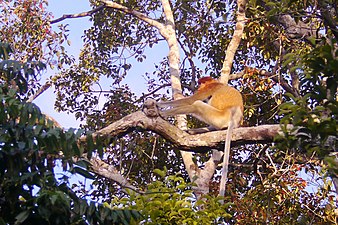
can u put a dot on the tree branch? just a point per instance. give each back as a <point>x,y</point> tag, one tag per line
<point>296,29</point>
<point>78,15</point>
<point>108,171</point>
<point>101,168</point>
<point>42,89</point>
<point>144,96</point>
<point>281,81</point>
<point>181,139</point>
<point>329,20</point>
<point>138,14</point>
<point>234,43</point>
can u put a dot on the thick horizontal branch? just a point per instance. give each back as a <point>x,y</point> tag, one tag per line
<point>296,29</point>
<point>184,141</point>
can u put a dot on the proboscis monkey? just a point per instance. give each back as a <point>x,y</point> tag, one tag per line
<point>223,109</point>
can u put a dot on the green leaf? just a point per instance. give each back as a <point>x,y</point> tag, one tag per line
<point>271,4</point>
<point>2,222</point>
<point>159,172</point>
<point>185,210</point>
<point>84,173</point>
<point>21,217</point>
<point>82,163</point>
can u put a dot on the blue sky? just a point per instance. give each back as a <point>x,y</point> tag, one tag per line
<point>76,27</point>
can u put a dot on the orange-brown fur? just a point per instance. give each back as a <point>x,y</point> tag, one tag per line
<point>225,103</point>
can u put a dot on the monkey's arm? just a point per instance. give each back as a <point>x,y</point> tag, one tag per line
<point>184,101</point>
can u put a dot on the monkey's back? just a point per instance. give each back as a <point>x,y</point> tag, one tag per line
<point>225,97</point>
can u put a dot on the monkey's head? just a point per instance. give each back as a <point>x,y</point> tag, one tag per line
<point>204,81</point>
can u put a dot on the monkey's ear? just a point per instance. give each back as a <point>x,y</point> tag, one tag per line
<point>150,108</point>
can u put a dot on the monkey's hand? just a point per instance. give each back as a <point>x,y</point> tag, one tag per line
<point>163,112</point>
<point>163,104</point>
<point>150,108</point>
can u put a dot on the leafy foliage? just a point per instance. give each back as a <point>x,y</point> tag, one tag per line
<point>287,69</point>
<point>314,115</point>
<point>296,63</point>
<point>170,200</point>
<point>15,72</point>
<point>30,146</point>
<point>35,41</point>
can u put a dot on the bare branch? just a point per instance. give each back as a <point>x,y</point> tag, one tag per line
<point>78,15</point>
<point>181,139</point>
<point>296,29</point>
<point>101,168</point>
<point>40,91</point>
<point>108,171</point>
<point>136,13</point>
<point>329,19</point>
<point>144,96</point>
<point>55,122</point>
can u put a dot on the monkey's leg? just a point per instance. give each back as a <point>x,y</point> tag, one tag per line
<point>217,118</point>
<point>237,116</point>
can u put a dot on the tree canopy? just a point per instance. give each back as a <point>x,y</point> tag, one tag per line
<point>139,168</point>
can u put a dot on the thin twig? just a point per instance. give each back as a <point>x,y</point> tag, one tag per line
<point>272,163</point>
<point>271,75</point>
<point>42,89</point>
<point>151,93</point>
<point>136,13</point>
<point>78,15</point>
